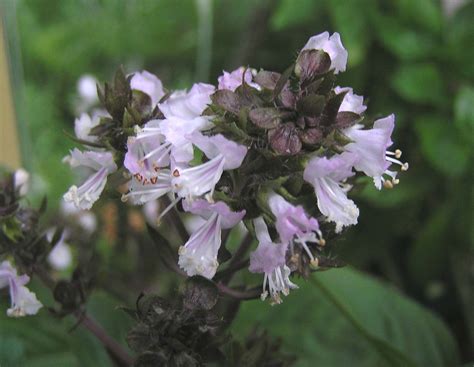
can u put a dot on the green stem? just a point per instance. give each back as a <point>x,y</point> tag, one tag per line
<point>204,47</point>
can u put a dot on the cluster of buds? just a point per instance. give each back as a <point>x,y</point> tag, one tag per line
<point>279,152</point>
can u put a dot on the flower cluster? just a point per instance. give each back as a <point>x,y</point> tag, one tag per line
<point>278,151</point>
<point>16,225</point>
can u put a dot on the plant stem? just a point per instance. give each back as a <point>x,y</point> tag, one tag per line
<point>176,221</point>
<point>113,347</point>
<point>236,261</point>
<point>242,295</point>
<point>204,50</point>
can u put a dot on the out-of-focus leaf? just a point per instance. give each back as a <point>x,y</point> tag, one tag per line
<point>350,20</point>
<point>42,340</point>
<point>420,83</point>
<point>373,324</point>
<point>424,13</point>
<point>427,259</point>
<point>441,145</point>
<point>289,14</point>
<point>404,43</point>
<point>407,192</point>
<point>464,111</point>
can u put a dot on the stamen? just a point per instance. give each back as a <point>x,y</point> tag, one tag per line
<point>388,184</point>
<point>397,153</point>
<point>167,209</point>
<point>404,166</point>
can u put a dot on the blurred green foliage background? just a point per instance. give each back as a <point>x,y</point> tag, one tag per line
<point>413,58</point>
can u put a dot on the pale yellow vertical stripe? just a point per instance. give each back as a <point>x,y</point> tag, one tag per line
<point>9,144</point>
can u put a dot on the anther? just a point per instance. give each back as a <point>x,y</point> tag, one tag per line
<point>314,263</point>
<point>398,153</point>
<point>388,184</point>
<point>176,173</point>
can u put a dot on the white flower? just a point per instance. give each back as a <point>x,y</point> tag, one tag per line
<point>370,148</point>
<point>199,255</point>
<point>270,258</point>
<point>22,181</point>
<point>188,105</point>
<point>87,89</point>
<point>234,79</point>
<point>331,45</point>
<point>60,256</point>
<point>83,126</point>
<point>143,190</point>
<point>148,83</point>
<point>23,301</point>
<point>224,154</point>
<point>177,130</point>
<point>148,151</point>
<point>327,176</point>
<point>351,102</point>
<point>102,164</point>
<point>294,225</point>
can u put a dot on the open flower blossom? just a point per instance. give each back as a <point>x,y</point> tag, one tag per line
<point>294,225</point>
<point>23,301</point>
<point>270,259</point>
<point>332,45</point>
<point>188,105</point>
<point>199,255</point>
<point>142,190</point>
<point>233,80</point>
<point>182,111</point>
<point>102,164</point>
<point>83,126</point>
<point>224,154</point>
<point>327,176</point>
<point>177,131</point>
<point>148,151</point>
<point>351,102</point>
<point>370,148</point>
<point>148,83</point>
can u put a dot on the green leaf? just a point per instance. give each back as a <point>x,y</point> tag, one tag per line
<point>43,340</point>
<point>442,146</point>
<point>36,340</point>
<point>424,13</point>
<point>464,111</point>
<point>350,20</point>
<point>420,83</point>
<point>348,318</point>
<point>288,14</point>
<point>404,42</point>
<point>427,260</point>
